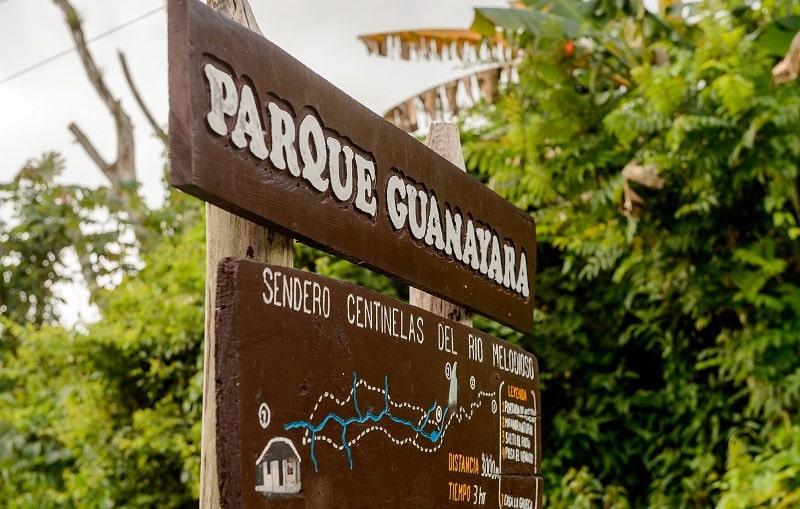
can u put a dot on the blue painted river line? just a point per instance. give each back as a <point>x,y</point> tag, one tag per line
<point>361,418</point>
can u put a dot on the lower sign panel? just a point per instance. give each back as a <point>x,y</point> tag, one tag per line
<point>330,395</point>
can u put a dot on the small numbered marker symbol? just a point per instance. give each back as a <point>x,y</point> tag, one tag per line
<point>263,415</point>
<point>494,406</point>
<point>447,369</point>
<point>472,383</point>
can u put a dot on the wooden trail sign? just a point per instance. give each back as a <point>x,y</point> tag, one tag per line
<point>257,133</point>
<point>330,395</point>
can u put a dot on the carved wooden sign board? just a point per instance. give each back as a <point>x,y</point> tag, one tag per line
<point>327,394</point>
<point>330,395</point>
<point>257,133</point>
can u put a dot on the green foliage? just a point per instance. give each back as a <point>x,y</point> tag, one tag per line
<point>768,478</point>
<point>32,458</point>
<point>111,416</point>
<point>149,350</point>
<point>667,325</point>
<point>314,260</point>
<point>45,224</point>
<point>579,489</point>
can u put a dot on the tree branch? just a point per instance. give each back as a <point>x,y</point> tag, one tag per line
<point>162,135</point>
<point>90,149</point>
<point>123,169</point>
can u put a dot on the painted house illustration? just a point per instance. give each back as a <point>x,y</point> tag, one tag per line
<point>278,468</point>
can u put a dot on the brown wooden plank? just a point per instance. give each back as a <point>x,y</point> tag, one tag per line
<point>239,154</point>
<point>354,399</point>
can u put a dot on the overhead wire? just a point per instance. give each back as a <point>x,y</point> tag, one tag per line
<point>69,50</point>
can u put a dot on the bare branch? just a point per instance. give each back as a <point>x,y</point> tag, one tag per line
<point>84,142</point>
<point>123,169</point>
<point>74,23</point>
<point>162,135</point>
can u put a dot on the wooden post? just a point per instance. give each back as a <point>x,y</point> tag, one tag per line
<point>228,235</point>
<point>443,139</point>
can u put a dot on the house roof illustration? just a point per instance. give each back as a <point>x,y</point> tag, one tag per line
<point>279,448</point>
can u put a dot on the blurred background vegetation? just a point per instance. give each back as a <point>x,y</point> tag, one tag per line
<point>659,156</point>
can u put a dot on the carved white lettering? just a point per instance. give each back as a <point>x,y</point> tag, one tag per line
<point>386,319</point>
<point>365,186</point>
<point>395,201</point>
<point>301,295</point>
<point>314,161</point>
<point>328,163</point>
<point>248,125</point>
<point>224,98</point>
<point>342,189</point>
<point>417,210</point>
<point>325,162</point>
<point>282,128</point>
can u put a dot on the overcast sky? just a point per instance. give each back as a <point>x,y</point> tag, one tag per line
<point>38,100</point>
